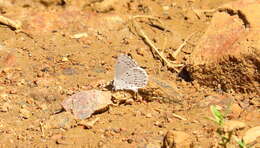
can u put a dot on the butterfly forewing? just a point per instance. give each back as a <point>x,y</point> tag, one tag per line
<point>133,79</point>
<point>124,63</point>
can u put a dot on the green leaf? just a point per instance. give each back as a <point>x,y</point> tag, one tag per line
<point>219,118</point>
<point>241,143</point>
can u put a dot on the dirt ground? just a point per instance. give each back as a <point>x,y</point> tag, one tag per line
<point>68,46</point>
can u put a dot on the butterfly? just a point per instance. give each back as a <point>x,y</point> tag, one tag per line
<point>128,75</point>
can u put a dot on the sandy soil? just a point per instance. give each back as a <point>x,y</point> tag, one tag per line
<point>46,61</point>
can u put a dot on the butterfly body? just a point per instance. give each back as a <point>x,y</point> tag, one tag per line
<point>129,76</point>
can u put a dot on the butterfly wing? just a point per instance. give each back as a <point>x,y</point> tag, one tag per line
<point>124,63</point>
<point>132,79</point>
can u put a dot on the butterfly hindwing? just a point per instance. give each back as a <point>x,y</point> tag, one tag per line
<point>133,79</point>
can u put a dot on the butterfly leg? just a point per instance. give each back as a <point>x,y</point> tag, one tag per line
<point>138,97</point>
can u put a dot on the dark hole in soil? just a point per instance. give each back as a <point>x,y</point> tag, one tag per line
<point>184,74</point>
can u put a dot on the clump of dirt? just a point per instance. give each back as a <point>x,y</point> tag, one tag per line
<point>227,57</point>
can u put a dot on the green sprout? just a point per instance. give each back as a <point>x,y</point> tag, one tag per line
<point>225,136</point>
<point>218,116</point>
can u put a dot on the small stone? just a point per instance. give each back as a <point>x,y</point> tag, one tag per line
<point>140,51</point>
<point>165,8</point>
<point>25,113</point>
<point>129,102</point>
<point>43,107</point>
<point>252,134</point>
<point>177,139</point>
<point>235,110</point>
<point>220,100</point>
<point>117,130</point>
<point>153,143</point>
<point>160,133</point>
<point>120,97</point>
<point>44,81</point>
<point>159,124</point>
<point>130,141</point>
<point>69,71</point>
<point>231,125</point>
<point>5,107</point>
<point>64,59</point>
<point>251,115</point>
<point>149,115</point>
<point>62,120</point>
<point>4,96</point>
<point>255,101</point>
<point>56,136</point>
<point>88,124</point>
<point>80,35</point>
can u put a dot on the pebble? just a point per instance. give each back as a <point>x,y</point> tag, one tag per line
<point>120,97</point>
<point>153,145</point>
<point>62,120</point>
<point>130,141</point>
<point>80,35</point>
<point>129,102</point>
<point>251,115</point>
<point>88,124</point>
<point>69,71</point>
<point>25,113</point>
<point>220,100</point>
<point>252,134</point>
<point>56,136</point>
<point>43,107</point>
<point>159,124</point>
<point>5,107</point>
<point>64,59</point>
<point>140,51</point>
<point>231,125</point>
<point>235,111</point>
<point>177,139</point>
<point>149,115</point>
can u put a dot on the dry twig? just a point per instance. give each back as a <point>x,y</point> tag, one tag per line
<point>154,49</point>
<point>42,128</point>
<point>17,25</point>
<point>199,11</point>
<point>141,33</point>
<point>174,55</point>
<point>179,117</point>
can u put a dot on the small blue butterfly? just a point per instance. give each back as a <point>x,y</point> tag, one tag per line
<point>128,75</point>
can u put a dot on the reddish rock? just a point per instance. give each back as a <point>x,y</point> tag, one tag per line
<point>84,104</point>
<point>228,53</point>
<point>220,100</point>
<point>235,111</point>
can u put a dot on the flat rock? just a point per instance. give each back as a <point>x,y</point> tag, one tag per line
<point>252,135</point>
<point>231,125</point>
<point>227,55</point>
<point>63,120</point>
<point>83,104</point>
